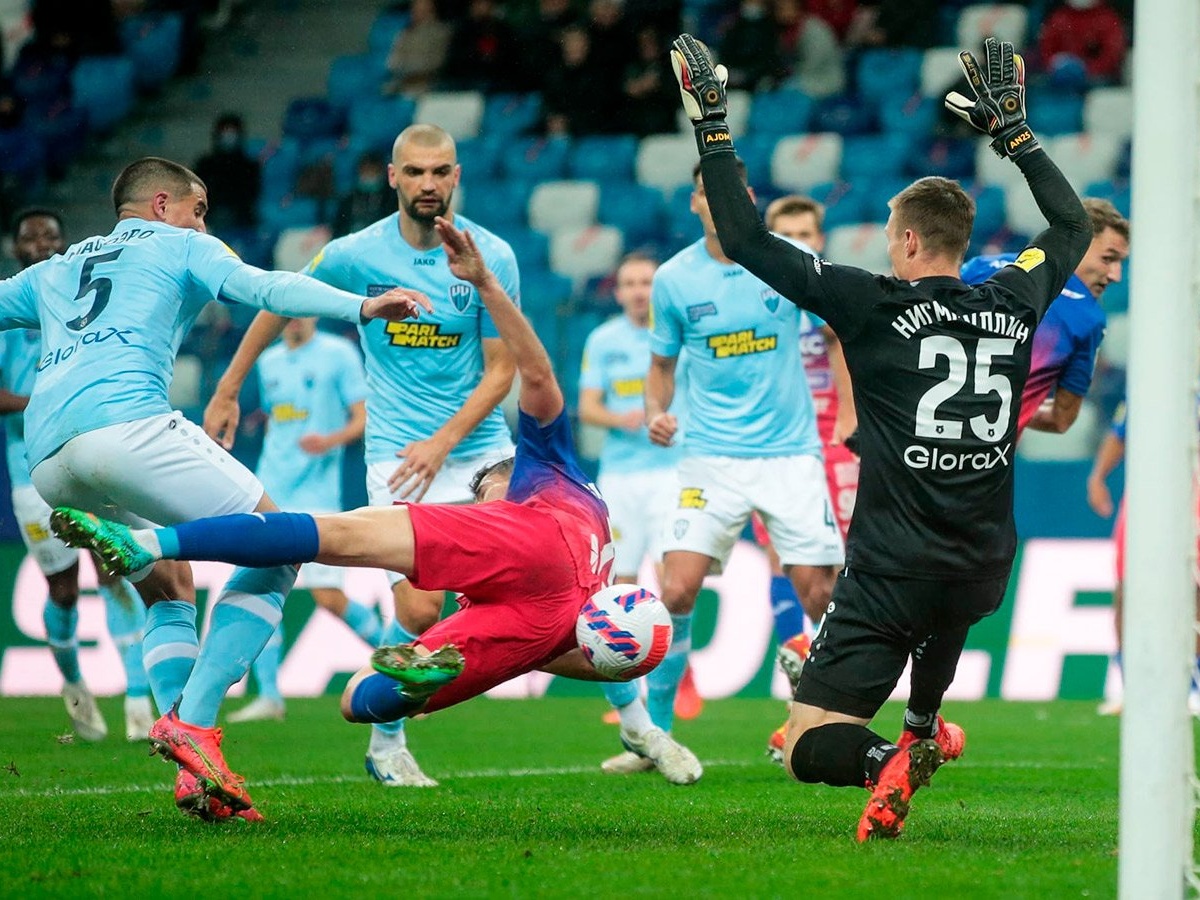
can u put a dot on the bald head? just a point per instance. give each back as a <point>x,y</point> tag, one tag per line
<point>425,172</point>
<point>424,137</point>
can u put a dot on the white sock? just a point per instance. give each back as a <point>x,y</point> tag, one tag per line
<point>635,718</point>
<point>383,743</point>
<point>148,540</point>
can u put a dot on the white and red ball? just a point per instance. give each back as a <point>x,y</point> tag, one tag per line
<point>624,631</point>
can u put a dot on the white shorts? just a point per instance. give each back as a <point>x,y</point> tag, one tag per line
<point>639,504</point>
<point>717,494</point>
<point>33,518</point>
<point>161,470</point>
<point>452,483</point>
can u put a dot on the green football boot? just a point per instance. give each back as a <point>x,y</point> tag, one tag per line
<point>112,542</point>
<point>419,676</point>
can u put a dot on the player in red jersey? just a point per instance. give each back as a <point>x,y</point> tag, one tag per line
<point>802,219</point>
<point>526,556</point>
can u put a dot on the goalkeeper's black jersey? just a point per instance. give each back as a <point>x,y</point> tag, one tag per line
<point>938,368</point>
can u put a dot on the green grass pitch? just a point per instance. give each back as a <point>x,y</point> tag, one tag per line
<point>523,811</point>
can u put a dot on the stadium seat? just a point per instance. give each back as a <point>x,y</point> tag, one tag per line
<point>1021,212</point>
<point>1077,444</point>
<point>345,162</point>
<point>280,165</point>
<point>184,389</point>
<point>312,117</point>
<point>991,169</point>
<point>289,211</point>
<point>535,158</point>
<point>862,245</point>
<point>62,131</point>
<point>1115,347</point>
<point>510,115</point>
<point>682,225</point>
<point>542,291</point>
<point>867,156</point>
<point>479,158</point>
<point>583,253</point>
<point>351,77</point>
<point>20,154</point>
<point>377,120</point>
<point>555,205</point>
<point>737,115</point>
<point>1085,158</point>
<point>102,86</point>
<point>948,157</point>
<point>604,157</point>
<point>1118,192</point>
<point>843,114</point>
<point>1053,112</point>
<point>665,161</point>
<point>885,74</point>
<point>1108,110</point>
<point>802,160</point>
<point>155,44</point>
<point>842,200</point>
<point>780,112</point>
<point>498,205</point>
<point>296,246</point>
<point>384,30</point>
<point>939,71</point>
<point>634,208</point>
<point>458,112</point>
<point>1003,21</point>
<point>755,151</point>
<point>876,192</point>
<point>915,117</point>
<point>989,210</point>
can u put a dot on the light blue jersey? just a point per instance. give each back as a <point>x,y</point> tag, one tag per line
<point>307,390</point>
<point>20,350</point>
<point>616,359</point>
<point>746,393</point>
<point>420,373</point>
<point>113,310</point>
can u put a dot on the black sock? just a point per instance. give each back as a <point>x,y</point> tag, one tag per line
<point>923,725</point>
<point>841,754</point>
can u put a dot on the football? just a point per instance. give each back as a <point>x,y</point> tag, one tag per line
<point>624,631</point>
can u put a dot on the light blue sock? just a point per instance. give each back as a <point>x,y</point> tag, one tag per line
<point>60,622</point>
<point>243,620</point>
<point>663,681</point>
<point>266,666</point>
<point>126,616</point>
<point>621,693</point>
<point>169,649</point>
<point>391,732</point>
<point>364,622</point>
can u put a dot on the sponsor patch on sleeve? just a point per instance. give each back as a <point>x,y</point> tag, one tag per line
<point>1030,259</point>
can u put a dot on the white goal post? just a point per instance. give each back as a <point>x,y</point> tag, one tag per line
<point>1157,799</point>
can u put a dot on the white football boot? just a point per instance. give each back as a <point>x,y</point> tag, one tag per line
<point>397,768</point>
<point>626,763</point>
<point>139,716</point>
<point>259,709</point>
<point>676,762</point>
<point>85,715</point>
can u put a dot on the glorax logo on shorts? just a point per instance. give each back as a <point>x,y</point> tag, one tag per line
<point>99,336</point>
<point>417,334</point>
<point>918,457</point>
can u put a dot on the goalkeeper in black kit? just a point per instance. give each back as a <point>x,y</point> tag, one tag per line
<point>938,368</point>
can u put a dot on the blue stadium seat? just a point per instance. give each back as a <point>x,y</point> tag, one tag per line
<point>377,120</point>
<point>532,248</point>
<point>511,114</point>
<point>542,291</point>
<point>1056,113</point>
<point>384,30</point>
<point>102,86</point>
<point>155,44</point>
<point>20,153</point>
<point>62,130</point>
<point>876,192</point>
<point>989,210</point>
<point>779,112</point>
<point>479,157</point>
<point>948,157</point>
<point>634,208</point>
<point>603,157</point>
<point>312,117</point>
<point>755,149</point>
<point>498,205</point>
<point>41,81</point>
<point>288,212</point>
<point>351,77</point>
<point>280,165</point>
<point>842,200</point>
<point>870,155</point>
<point>915,117</point>
<point>682,225</point>
<point>885,74</point>
<point>535,158</point>
<point>345,162</point>
<point>843,114</point>
<point>1116,191</point>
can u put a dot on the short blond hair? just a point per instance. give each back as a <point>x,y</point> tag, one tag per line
<point>939,211</point>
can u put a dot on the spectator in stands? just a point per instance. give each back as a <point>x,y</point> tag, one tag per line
<point>419,52</point>
<point>233,177</point>
<point>652,97</point>
<point>484,51</point>
<point>808,50</point>
<point>1085,31</point>
<point>369,201</point>
<point>74,28</point>
<point>750,48</point>
<point>837,14</point>
<point>540,36</point>
<point>613,47</point>
<point>896,23</point>
<point>576,93</point>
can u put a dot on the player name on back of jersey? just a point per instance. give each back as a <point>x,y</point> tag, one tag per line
<point>930,312</point>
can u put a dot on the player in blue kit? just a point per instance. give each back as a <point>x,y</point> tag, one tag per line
<point>751,444</point>
<point>637,478</point>
<point>38,236</point>
<point>1068,338</point>
<point>101,434</point>
<point>312,388</point>
<point>433,386</point>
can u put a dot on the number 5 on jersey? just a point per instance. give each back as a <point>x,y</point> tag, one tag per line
<point>934,347</point>
<point>102,286</point>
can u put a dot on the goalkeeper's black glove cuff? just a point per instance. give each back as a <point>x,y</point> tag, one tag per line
<point>1015,142</point>
<point>713,136</point>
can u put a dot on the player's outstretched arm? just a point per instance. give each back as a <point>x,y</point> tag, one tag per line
<point>222,414</point>
<point>540,394</point>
